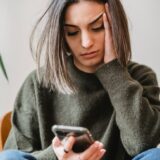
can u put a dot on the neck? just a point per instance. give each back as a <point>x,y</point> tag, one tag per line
<point>86,69</point>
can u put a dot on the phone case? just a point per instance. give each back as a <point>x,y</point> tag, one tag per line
<point>83,137</point>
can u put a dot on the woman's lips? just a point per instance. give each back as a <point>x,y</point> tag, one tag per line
<point>89,54</point>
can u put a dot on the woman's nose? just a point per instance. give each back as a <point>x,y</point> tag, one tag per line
<point>86,40</point>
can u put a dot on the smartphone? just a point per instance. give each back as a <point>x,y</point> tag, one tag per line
<point>83,136</point>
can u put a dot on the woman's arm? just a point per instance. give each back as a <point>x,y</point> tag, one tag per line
<point>24,134</point>
<point>136,102</point>
<point>134,95</point>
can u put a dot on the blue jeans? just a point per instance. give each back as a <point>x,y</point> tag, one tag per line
<point>151,154</point>
<point>15,155</point>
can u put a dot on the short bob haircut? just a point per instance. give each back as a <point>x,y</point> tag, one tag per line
<point>51,43</point>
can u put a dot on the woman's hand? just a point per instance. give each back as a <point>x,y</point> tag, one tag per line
<point>110,53</point>
<point>64,151</point>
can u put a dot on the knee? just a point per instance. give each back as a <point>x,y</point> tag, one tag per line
<point>151,154</point>
<point>15,155</point>
<point>11,155</point>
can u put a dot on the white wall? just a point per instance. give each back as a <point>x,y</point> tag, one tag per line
<point>17,18</point>
<point>144,20</point>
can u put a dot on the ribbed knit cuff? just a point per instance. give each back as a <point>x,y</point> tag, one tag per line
<point>46,154</point>
<point>113,75</point>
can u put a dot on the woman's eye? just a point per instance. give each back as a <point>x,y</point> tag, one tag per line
<point>98,28</point>
<point>72,33</point>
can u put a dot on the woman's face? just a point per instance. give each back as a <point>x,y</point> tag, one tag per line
<point>84,34</point>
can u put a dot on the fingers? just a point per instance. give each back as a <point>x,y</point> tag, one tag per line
<point>92,152</point>
<point>108,35</point>
<point>69,143</point>
<point>63,149</point>
<point>57,147</point>
<point>98,154</point>
<point>108,14</point>
<point>56,142</point>
<point>105,21</point>
<point>110,52</point>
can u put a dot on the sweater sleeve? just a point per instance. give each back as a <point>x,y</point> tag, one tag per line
<point>24,134</point>
<point>136,103</point>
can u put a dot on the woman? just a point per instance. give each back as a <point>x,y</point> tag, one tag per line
<point>87,80</point>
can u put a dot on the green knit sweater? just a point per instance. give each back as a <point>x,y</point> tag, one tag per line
<point>120,106</point>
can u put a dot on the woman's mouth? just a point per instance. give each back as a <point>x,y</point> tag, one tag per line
<point>89,54</point>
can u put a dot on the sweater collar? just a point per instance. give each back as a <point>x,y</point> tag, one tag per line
<point>81,78</point>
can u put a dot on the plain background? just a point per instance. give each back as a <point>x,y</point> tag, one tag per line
<point>17,18</point>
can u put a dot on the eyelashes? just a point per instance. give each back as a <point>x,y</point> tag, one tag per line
<point>96,29</point>
<point>72,33</point>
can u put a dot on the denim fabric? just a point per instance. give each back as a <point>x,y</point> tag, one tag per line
<point>151,154</point>
<point>15,155</point>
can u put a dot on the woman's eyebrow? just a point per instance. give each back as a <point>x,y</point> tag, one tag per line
<point>92,22</point>
<point>97,18</point>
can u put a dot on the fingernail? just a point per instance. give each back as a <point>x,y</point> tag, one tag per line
<point>102,151</point>
<point>100,145</point>
<point>96,144</point>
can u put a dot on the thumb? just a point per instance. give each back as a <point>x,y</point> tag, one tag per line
<point>68,145</point>
<point>56,142</point>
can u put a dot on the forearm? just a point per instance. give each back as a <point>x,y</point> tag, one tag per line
<point>137,119</point>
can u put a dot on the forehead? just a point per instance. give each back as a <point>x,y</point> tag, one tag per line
<point>83,12</point>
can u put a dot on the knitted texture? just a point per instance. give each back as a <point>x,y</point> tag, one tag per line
<point>120,106</point>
